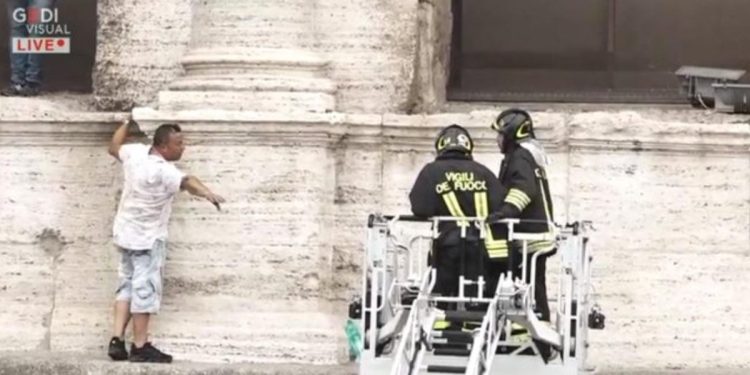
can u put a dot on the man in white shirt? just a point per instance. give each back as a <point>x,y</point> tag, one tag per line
<point>140,232</point>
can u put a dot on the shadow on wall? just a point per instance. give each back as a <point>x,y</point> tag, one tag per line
<point>62,72</point>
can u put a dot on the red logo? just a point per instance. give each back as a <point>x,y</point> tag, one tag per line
<point>41,45</point>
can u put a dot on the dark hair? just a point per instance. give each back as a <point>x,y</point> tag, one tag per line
<point>161,135</point>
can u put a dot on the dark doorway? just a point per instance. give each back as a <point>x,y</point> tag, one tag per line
<point>591,50</point>
<point>62,72</point>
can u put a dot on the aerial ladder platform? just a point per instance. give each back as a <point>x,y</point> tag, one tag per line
<point>397,312</point>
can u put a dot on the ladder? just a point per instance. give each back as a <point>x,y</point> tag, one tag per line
<point>403,310</point>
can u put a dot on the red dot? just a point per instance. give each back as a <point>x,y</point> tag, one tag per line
<point>61,42</point>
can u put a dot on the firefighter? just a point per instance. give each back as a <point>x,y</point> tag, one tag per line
<point>523,173</point>
<point>456,185</point>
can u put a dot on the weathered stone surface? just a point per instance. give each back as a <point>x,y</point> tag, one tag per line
<point>45,363</point>
<point>252,55</point>
<point>138,50</point>
<point>272,271</point>
<point>266,279</point>
<point>370,48</point>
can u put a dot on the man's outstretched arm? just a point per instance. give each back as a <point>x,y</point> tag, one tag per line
<point>119,138</point>
<point>195,187</point>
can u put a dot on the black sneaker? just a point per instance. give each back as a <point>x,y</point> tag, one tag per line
<point>12,90</point>
<point>30,89</point>
<point>148,354</point>
<point>117,349</point>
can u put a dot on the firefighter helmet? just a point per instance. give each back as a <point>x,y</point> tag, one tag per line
<point>454,138</point>
<point>515,125</point>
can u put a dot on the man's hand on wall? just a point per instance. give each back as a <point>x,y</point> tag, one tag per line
<point>215,199</point>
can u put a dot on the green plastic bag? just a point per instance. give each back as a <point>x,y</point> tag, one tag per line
<point>354,337</point>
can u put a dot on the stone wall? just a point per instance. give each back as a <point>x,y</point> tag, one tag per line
<point>245,283</point>
<point>273,270</point>
<point>671,202</point>
<point>138,50</point>
<point>370,48</point>
<point>668,191</point>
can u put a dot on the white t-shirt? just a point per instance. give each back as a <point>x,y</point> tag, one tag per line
<point>146,203</point>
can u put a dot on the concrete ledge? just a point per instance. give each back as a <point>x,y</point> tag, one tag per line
<point>602,130</point>
<point>674,371</point>
<point>46,363</point>
<point>57,363</point>
<point>44,122</point>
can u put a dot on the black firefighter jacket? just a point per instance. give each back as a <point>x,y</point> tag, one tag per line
<point>528,197</point>
<point>456,185</point>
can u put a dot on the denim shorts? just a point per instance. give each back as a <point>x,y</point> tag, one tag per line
<point>140,278</point>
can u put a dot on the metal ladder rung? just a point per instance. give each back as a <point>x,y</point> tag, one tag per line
<point>455,352</point>
<point>463,337</point>
<point>464,316</point>
<point>446,369</point>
